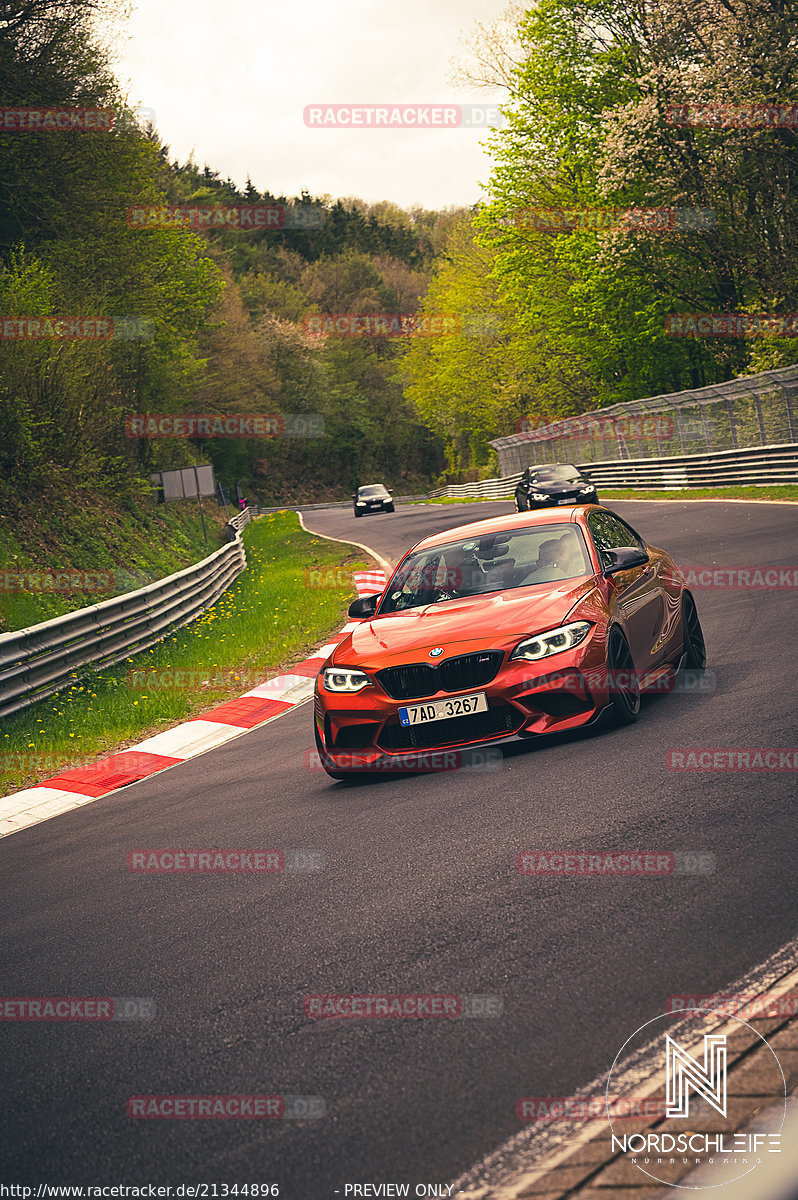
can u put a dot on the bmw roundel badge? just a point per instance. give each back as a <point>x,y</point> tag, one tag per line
<point>436,652</point>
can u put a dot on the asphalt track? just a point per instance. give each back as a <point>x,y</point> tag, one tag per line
<point>420,893</point>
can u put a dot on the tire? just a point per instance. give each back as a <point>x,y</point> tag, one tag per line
<point>625,698</point>
<point>520,506</point>
<point>389,508</point>
<point>695,651</point>
<point>357,514</point>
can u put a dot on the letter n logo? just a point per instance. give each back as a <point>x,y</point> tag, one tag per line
<point>684,1073</point>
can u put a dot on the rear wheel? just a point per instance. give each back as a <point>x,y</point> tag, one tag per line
<point>624,688</point>
<point>695,651</point>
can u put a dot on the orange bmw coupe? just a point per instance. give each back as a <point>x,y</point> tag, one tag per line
<point>504,629</point>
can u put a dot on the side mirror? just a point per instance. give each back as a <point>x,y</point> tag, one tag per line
<point>364,606</point>
<point>624,558</point>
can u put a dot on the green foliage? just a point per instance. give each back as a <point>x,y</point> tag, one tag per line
<point>222,310</point>
<point>582,313</point>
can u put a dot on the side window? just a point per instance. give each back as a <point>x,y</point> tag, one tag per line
<point>609,533</point>
<point>632,538</point>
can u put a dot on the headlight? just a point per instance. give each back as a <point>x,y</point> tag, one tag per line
<point>340,679</point>
<point>360,504</point>
<point>582,491</point>
<point>564,638</point>
<point>538,496</point>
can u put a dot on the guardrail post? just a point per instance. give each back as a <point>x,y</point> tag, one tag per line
<point>732,426</point>
<point>790,414</point>
<point>760,419</point>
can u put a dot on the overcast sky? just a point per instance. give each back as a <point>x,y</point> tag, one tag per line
<point>229,81</point>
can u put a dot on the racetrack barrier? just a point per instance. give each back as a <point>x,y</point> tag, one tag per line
<point>38,661</point>
<point>756,466</point>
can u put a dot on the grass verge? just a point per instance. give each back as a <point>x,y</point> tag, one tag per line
<point>785,491</point>
<point>293,594</point>
<point>766,492</point>
<point>62,549</point>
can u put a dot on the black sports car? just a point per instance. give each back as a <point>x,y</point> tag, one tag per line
<point>374,497</point>
<point>557,483</point>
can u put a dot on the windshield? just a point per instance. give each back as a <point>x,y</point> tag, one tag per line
<point>555,473</point>
<point>375,490</point>
<point>497,562</point>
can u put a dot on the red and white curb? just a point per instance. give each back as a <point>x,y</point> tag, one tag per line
<point>270,699</point>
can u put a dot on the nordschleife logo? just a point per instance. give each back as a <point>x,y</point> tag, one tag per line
<point>703,1134</point>
<point>684,1073</point>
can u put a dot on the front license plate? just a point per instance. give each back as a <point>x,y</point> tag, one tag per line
<point>569,501</point>
<point>443,710</point>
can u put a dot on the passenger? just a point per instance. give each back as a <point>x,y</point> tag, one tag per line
<point>571,558</point>
<point>547,569</point>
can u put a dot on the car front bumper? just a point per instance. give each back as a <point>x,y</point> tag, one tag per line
<point>362,731</point>
<point>557,501</point>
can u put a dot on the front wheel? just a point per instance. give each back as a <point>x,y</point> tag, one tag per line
<point>695,651</point>
<point>389,508</point>
<point>357,514</point>
<point>520,506</point>
<point>623,684</point>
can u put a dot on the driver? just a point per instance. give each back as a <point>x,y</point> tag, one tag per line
<point>461,573</point>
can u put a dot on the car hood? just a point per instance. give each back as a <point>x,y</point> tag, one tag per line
<point>460,626</point>
<point>560,485</point>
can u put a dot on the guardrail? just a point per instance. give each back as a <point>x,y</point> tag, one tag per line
<point>752,410</point>
<point>38,661</point>
<point>758,465</point>
<point>333,504</point>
